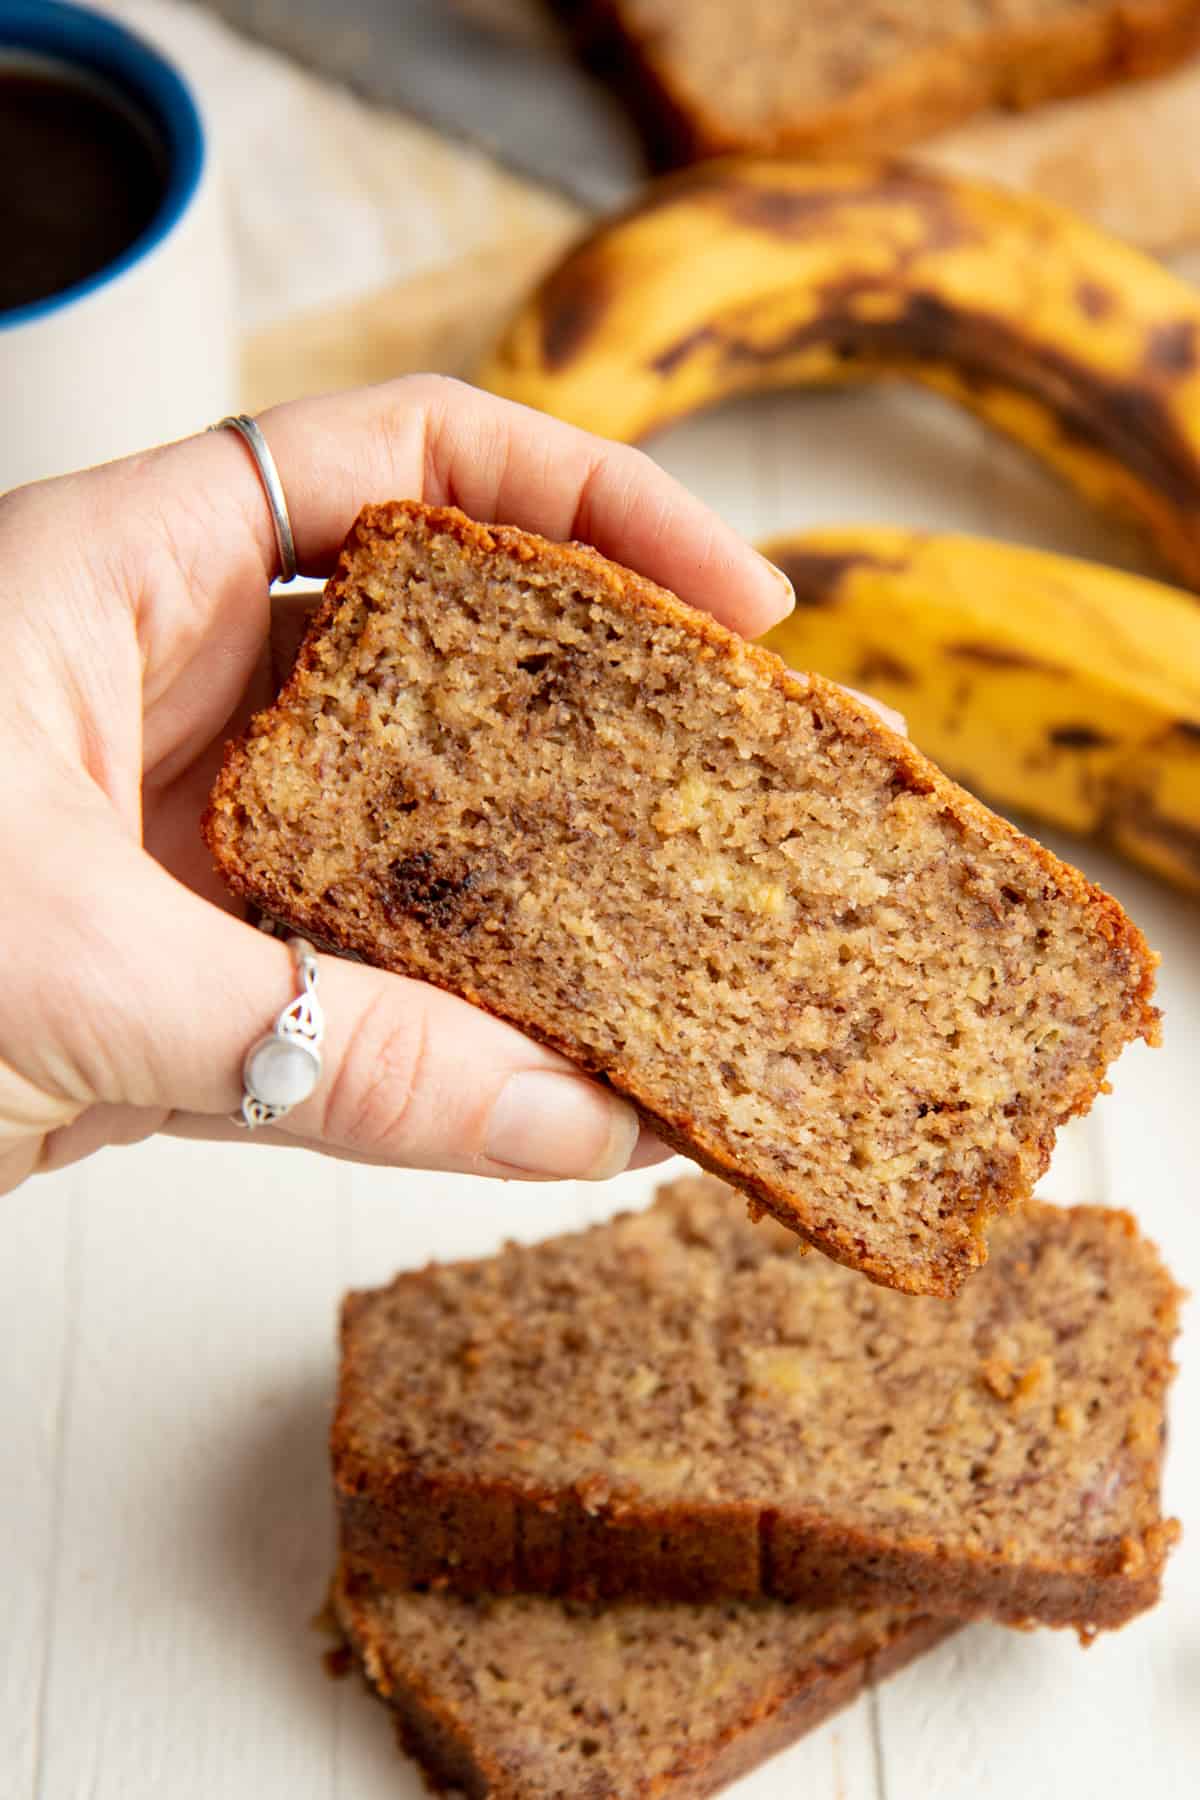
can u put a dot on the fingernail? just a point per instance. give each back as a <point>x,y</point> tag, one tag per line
<point>550,1124</point>
<point>789,592</point>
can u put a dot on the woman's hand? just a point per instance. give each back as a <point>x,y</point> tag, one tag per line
<point>136,616</point>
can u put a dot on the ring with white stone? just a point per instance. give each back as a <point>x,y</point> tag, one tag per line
<point>284,1066</point>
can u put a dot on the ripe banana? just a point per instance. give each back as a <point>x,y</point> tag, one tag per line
<point>1047,684</point>
<point>747,274</point>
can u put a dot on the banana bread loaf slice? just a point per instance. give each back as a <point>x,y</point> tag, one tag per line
<point>679,1404</point>
<point>816,965</point>
<point>819,76</point>
<point>531,1699</point>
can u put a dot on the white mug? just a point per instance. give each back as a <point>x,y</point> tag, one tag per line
<point>143,350</point>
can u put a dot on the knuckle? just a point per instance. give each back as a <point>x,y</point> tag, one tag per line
<point>16,507</point>
<point>38,510</point>
<point>370,1101</point>
<point>425,384</point>
<point>412,397</point>
<point>640,462</point>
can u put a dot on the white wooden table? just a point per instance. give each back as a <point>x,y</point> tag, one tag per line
<point>167,1318</point>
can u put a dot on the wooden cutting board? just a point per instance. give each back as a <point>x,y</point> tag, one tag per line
<point>1129,159</point>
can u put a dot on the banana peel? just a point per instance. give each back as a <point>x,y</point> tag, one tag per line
<point>1050,685</point>
<point>745,274</point>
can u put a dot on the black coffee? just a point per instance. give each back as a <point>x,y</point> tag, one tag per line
<point>81,176</point>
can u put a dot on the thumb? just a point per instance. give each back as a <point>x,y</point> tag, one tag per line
<point>171,992</point>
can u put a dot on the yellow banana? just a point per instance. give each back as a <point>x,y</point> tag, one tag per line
<point>1048,684</point>
<point>751,273</point>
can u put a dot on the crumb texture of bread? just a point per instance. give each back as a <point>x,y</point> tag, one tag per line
<point>680,1404</point>
<point>818,77</point>
<point>523,1698</point>
<point>817,966</point>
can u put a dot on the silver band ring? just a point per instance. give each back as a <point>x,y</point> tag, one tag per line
<point>284,1065</point>
<point>247,429</point>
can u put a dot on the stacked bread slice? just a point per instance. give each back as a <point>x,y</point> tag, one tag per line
<point>625,1511</point>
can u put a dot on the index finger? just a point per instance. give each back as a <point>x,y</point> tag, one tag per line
<point>434,439</point>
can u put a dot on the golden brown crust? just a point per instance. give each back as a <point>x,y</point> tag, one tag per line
<point>405,1530</point>
<point>440,1739</point>
<point>917,97</point>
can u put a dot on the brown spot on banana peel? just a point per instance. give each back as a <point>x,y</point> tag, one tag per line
<point>878,666</point>
<point>1093,299</point>
<point>1079,737</point>
<point>997,656</point>
<point>684,348</point>
<point>816,575</point>
<point>576,296</point>
<point>574,301</point>
<point>1172,350</point>
<point>1144,824</point>
<point>1128,420</point>
<point>800,212</point>
<point>1188,729</point>
<point>780,210</point>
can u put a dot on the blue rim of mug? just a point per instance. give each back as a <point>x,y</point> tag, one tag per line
<point>79,38</point>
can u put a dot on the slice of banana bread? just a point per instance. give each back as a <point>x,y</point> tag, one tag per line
<point>532,1699</point>
<point>818,76</point>
<point>679,1404</point>
<point>816,965</point>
